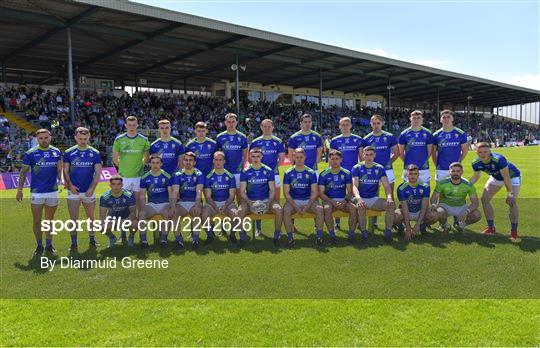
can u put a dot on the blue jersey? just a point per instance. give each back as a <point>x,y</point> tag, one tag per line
<point>271,149</point>
<point>204,152</point>
<point>82,163</point>
<point>416,146</point>
<point>156,186</point>
<point>368,178</point>
<point>43,163</point>
<point>300,182</point>
<point>188,184</point>
<point>383,144</point>
<point>448,146</point>
<point>335,184</point>
<point>494,166</point>
<point>233,145</point>
<point>310,142</point>
<point>169,151</point>
<point>257,182</point>
<point>413,195</point>
<point>117,205</point>
<point>349,146</point>
<point>220,184</point>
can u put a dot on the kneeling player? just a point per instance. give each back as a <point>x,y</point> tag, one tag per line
<point>219,192</point>
<point>187,187</point>
<point>335,189</point>
<point>117,202</point>
<point>449,199</point>
<point>366,179</point>
<point>257,185</point>
<point>301,193</point>
<point>156,184</point>
<point>413,199</point>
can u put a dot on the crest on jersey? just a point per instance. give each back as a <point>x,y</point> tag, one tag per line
<point>307,176</point>
<point>425,135</point>
<point>421,191</point>
<point>456,135</point>
<point>384,138</point>
<point>163,180</point>
<point>173,146</point>
<point>91,154</point>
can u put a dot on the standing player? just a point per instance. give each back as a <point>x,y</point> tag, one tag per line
<point>203,148</point>
<point>156,184</point>
<point>449,199</point>
<point>308,140</point>
<point>449,145</point>
<point>413,199</point>
<point>45,163</point>
<point>235,147</point>
<point>349,145</point>
<point>130,153</point>
<point>415,146</point>
<point>366,179</point>
<point>168,148</point>
<point>117,203</point>
<point>502,173</point>
<point>219,192</point>
<point>301,193</point>
<point>82,168</point>
<point>187,188</point>
<point>273,152</point>
<point>257,184</point>
<point>335,189</point>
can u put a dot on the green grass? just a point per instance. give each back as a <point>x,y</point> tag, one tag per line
<point>436,290</point>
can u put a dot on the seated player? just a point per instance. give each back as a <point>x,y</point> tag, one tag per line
<point>120,203</point>
<point>413,197</point>
<point>187,187</point>
<point>449,199</point>
<point>219,192</point>
<point>257,185</point>
<point>156,185</point>
<point>335,190</point>
<point>502,173</point>
<point>301,193</point>
<point>366,179</point>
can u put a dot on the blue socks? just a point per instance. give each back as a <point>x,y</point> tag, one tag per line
<point>178,238</point>
<point>92,238</point>
<point>242,235</point>
<point>123,235</point>
<point>332,234</point>
<point>74,239</point>
<point>258,224</point>
<point>277,234</point>
<point>48,242</point>
<point>514,226</point>
<point>319,234</point>
<point>351,234</point>
<point>387,234</point>
<point>196,238</point>
<point>289,236</point>
<point>39,243</point>
<point>143,238</point>
<point>423,228</point>
<point>491,223</point>
<point>365,234</point>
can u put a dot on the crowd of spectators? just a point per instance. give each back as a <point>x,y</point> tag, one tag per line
<point>104,114</point>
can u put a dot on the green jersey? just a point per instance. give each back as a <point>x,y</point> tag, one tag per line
<point>131,151</point>
<point>454,195</point>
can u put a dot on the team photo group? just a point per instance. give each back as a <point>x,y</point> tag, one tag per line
<point>230,177</point>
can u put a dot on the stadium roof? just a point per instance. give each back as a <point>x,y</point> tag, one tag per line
<point>119,40</point>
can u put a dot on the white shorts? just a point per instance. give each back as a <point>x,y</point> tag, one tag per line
<point>237,180</point>
<point>186,205</point>
<point>390,176</point>
<point>81,197</point>
<point>370,201</point>
<point>441,174</point>
<point>424,177</point>
<point>414,216</point>
<point>157,207</point>
<point>220,204</point>
<point>277,181</point>
<point>453,211</point>
<point>48,198</point>
<point>132,184</point>
<point>492,181</point>
<point>301,203</point>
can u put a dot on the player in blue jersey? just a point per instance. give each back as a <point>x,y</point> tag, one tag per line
<point>156,186</point>
<point>257,190</point>
<point>82,168</point>
<point>413,199</point>
<point>366,179</point>
<point>301,194</point>
<point>502,173</point>
<point>117,203</point>
<point>273,152</point>
<point>234,145</point>
<point>203,148</point>
<point>45,163</point>
<point>309,140</point>
<point>188,185</point>
<point>168,148</point>
<point>335,190</point>
<point>219,192</point>
<point>415,146</point>
<point>449,145</point>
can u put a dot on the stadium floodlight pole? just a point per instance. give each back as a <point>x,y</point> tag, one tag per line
<point>237,87</point>
<point>70,78</point>
<point>320,100</point>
